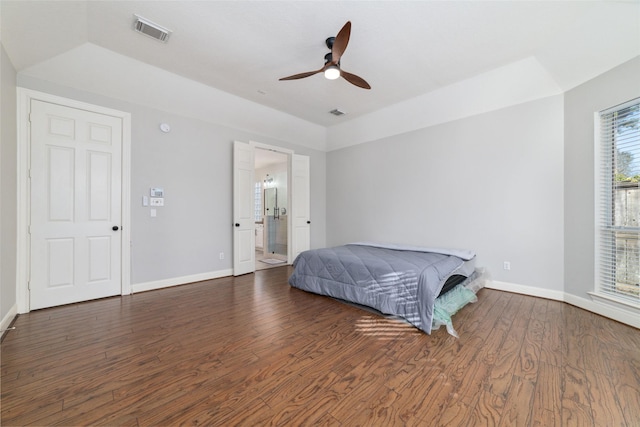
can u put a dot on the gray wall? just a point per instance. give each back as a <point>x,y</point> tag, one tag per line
<point>8,184</point>
<point>491,183</point>
<point>514,184</point>
<point>193,163</point>
<point>607,90</point>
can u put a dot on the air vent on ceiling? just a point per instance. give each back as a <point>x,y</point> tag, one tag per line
<point>151,29</point>
<point>337,112</point>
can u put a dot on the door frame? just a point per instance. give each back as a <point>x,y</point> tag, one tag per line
<point>289,154</point>
<point>258,145</point>
<point>23,267</point>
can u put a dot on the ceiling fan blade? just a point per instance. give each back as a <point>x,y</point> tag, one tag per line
<point>340,43</point>
<point>355,80</point>
<point>303,75</point>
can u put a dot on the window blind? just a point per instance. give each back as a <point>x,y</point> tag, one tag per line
<point>619,203</point>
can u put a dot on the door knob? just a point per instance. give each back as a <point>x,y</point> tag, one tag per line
<point>308,222</point>
<point>115,228</point>
<point>237,224</point>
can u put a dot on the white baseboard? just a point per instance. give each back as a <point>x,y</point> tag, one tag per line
<point>8,318</point>
<point>613,311</point>
<point>526,290</point>
<point>174,281</point>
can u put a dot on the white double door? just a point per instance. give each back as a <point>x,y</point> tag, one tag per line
<point>244,260</point>
<point>75,205</point>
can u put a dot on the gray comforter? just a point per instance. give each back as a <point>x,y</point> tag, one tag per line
<point>397,282</point>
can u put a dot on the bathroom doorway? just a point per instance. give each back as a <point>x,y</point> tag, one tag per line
<point>271,192</point>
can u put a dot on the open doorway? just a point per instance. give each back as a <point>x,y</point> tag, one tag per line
<point>271,192</point>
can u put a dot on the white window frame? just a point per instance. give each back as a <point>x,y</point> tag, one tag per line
<point>257,188</point>
<point>605,287</point>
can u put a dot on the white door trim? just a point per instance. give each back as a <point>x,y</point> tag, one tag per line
<point>24,97</point>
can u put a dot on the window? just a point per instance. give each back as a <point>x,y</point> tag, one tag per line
<point>258,201</point>
<point>619,203</point>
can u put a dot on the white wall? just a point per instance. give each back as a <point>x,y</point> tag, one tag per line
<point>8,188</point>
<point>491,183</point>
<point>97,70</point>
<point>607,90</point>
<point>515,83</point>
<point>193,163</point>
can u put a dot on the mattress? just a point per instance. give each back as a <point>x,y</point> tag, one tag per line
<point>464,272</point>
<point>395,280</point>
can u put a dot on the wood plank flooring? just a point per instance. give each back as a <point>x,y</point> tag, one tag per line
<point>252,351</point>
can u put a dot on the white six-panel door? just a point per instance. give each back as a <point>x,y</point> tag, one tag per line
<point>301,202</point>
<point>75,205</point>
<point>244,249</point>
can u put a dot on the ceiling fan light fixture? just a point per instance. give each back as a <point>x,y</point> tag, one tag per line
<point>332,72</point>
<point>331,68</point>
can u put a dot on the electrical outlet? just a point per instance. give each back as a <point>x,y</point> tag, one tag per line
<point>506,265</point>
<point>221,255</point>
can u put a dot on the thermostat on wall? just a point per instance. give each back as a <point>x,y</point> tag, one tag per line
<point>157,192</point>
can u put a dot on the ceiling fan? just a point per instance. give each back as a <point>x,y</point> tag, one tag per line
<point>331,69</point>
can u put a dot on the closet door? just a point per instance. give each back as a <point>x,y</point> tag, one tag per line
<point>76,212</point>
<point>244,250</point>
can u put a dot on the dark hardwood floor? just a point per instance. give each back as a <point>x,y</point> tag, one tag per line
<point>252,351</point>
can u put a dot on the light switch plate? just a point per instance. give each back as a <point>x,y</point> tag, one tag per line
<point>157,201</point>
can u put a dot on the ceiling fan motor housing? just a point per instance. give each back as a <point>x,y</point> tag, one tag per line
<point>329,42</point>
<point>328,58</point>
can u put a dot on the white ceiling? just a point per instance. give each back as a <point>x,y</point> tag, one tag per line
<point>402,48</point>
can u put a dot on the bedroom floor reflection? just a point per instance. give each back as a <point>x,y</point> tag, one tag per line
<point>384,327</point>
<point>379,325</point>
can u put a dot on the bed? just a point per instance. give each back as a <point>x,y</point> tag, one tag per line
<point>402,281</point>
